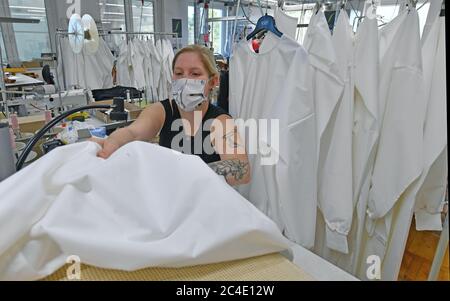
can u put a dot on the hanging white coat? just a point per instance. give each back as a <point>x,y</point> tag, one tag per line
<point>430,198</point>
<point>284,188</point>
<point>399,159</point>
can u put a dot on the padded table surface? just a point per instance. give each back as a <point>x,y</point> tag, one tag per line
<point>272,267</point>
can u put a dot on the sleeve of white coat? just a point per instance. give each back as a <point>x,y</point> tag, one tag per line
<point>296,165</point>
<point>431,196</point>
<point>333,174</point>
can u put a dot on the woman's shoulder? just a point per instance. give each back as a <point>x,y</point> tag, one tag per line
<point>215,111</point>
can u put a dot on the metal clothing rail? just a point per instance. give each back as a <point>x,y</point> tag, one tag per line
<point>133,33</point>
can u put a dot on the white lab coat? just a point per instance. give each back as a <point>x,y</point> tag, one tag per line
<point>285,191</point>
<point>166,56</point>
<point>124,66</point>
<point>365,133</point>
<point>138,62</point>
<point>79,204</point>
<point>322,57</point>
<point>430,198</point>
<point>90,71</point>
<point>335,160</point>
<point>399,159</point>
<point>328,89</point>
<point>285,23</point>
<point>162,84</point>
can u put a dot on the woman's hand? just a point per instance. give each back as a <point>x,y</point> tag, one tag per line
<point>109,146</point>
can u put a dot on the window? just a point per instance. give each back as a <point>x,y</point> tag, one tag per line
<point>112,14</point>
<point>215,29</point>
<point>31,39</point>
<point>191,15</point>
<point>143,16</point>
<point>2,45</point>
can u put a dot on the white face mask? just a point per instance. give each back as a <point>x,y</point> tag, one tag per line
<point>188,93</point>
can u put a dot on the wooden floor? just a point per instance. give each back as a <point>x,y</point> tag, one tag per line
<point>419,254</point>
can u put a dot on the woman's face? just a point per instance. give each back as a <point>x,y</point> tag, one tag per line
<point>189,65</point>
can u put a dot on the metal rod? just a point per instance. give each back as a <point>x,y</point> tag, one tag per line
<point>143,33</point>
<point>235,21</point>
<point>3,86</point>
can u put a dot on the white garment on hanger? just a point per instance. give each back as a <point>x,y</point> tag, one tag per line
<point>285,191</point>
<point>399,159</point>
<point>89,71</point>
<point>430,198</point>
<point>124,66</point>
<point>137,60</point>
<point>285,23</point>
<point>106,59</point>
<point>335,160</point>
<point>328,86</point>
<point>162,84</point>
<point>144,206</point>
<point>156,67</point>
<point>433,12</point>
<point>365,133</point>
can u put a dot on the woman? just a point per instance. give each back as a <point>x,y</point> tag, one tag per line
<point>188,122</point>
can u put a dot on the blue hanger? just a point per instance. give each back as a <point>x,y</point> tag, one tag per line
<point>266,23</point>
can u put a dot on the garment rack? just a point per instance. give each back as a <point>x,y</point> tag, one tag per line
<point>59,33</point>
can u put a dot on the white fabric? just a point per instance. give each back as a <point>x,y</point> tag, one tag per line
<point>165,50</point>
<point>134,210</point>
<point>328,89</point>
<point>146,66</point>
<point>335,160</point>
<point>431,195</point>
<point>433,13</point>
<point>365,133</point>
<point>152,70</point>
<point>137,60</point>
<point>285,23</point>
<point>124,66</point>
<point>328,86</point>
<point>285,191</point>
<point>399,158</point>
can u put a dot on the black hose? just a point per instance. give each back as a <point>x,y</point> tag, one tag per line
<point>26,151</point>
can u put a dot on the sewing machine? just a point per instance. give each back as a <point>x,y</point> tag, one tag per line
<point>38,100</point>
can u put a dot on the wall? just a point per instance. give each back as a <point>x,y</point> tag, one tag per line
<point>175,9</point>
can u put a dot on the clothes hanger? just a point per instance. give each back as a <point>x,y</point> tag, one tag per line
<point>264,24</point>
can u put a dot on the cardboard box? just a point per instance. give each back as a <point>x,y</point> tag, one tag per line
<point>31,124</point>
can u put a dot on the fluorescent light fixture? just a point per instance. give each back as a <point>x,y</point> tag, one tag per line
<point>112,13</point>
<point>113,20</point>
<point>27,7</point>
<point>37,11</point>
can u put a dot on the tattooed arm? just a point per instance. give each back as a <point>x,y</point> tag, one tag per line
<point>234,171</point>
<point>234,165</point>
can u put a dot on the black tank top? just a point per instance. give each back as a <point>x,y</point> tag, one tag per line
<point>200,144</point>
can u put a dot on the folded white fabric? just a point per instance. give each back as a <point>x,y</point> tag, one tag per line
<point>145,206</point>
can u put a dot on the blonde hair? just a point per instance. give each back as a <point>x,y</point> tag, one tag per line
<point>206,57</point>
